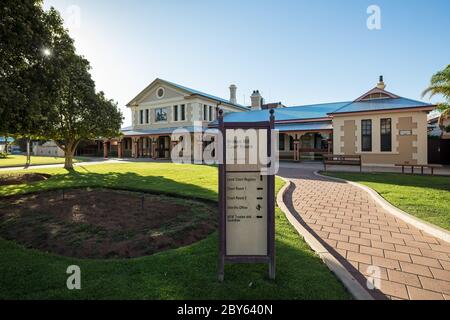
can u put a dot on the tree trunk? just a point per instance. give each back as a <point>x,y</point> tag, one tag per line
<point>28,153</point>
<point>69,152</point>
<point>6,144</point>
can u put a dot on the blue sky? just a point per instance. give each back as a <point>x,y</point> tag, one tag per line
<point>297,52</point>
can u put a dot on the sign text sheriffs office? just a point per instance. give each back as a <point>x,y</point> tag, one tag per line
<point>246,197</point>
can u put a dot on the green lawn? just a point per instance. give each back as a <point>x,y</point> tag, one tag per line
<point>184,273</point>
<point>426,197</point>
<point>19,160</point>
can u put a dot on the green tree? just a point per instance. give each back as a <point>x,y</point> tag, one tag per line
<point>46,90</point>
<point>25,30</point>
<point>440,84</point>
<point>76,111</point>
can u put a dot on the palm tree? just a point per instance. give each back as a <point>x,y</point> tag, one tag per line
<point>440,84</point>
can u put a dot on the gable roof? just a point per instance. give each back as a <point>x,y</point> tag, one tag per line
<point>381,104</point>
<point>381,92</point>
<point>187,90</point>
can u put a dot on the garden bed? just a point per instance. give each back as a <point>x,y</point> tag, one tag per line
<point>104,223</point>
<point>11,179</point>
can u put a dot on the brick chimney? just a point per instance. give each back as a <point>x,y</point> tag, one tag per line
<point>233,89</point>
<point>257,100</point>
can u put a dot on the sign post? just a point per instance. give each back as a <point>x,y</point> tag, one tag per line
<point>246,197</point>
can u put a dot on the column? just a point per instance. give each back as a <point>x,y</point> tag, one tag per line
<point>105,149</point>
<point>119,148</point>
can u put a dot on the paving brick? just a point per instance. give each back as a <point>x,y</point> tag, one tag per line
<point>360,229</point>
<point>370,236</point>
<point>338,237</point>
<point>418,244</point>
<point>440,274</point>
<point>371,251</point>
<point>416,269</point>
<point>397,256</point>
<point>421,294</point>
<point>435,285</point>
<point>434,254</point>
<point>364,242</point>
<point>330,229</point>
<point>387,263</point>
<point>402,236</point>
<point>392,240</point>
<point>394,289</point>
<point>430,262</point>
<point>348,246</point>
<point>425,239</point>
<point>350,233</point>
<point>445,264</point>
<point>383,245</point>
<point>403,277</point>
<point>381,232</point>
<point>407,249</point>
<point>359,257</point>
<point>440,248</point>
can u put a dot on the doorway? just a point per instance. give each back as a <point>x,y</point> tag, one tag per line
<point>163,147</point>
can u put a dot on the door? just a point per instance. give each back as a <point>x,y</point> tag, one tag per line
<point>163,147</point>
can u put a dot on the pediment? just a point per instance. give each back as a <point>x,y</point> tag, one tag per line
<point>377,93</point>
<point>152,93</point>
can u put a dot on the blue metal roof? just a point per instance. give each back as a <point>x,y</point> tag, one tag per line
<point>206,95</point>
<point>381,104</point>
<point>314,111</point>
<point>305,126</point>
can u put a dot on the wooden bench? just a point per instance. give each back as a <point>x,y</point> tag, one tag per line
<point>348,160</point>
<point>421,166</point>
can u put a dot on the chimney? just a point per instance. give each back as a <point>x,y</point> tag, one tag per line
<point>257,100</point>
<point>380,84</point>
<point>233,89</point>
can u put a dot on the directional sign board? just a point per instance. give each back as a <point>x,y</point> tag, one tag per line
<point>246,196</point>
<point>246,214</point>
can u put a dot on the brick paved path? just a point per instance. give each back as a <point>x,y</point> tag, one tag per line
<point>411,264</point>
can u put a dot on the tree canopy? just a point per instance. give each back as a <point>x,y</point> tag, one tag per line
<point>46,90</point>
<point>440,84</point>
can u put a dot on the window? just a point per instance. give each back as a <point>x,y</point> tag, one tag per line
<point>291,143</point>
<point>366,135</point>
<point>386,134</point>
<point>183,112</point>
<point>175,113</point>
<point>160,93</point>
<point>141,116</point>
<point>281,141</point>
<point>147,116</point>
<point>210,113</point>
<point>205,112</point>
<point>160,115</point>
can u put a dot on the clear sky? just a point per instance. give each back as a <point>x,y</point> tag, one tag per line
<point>297,52</point>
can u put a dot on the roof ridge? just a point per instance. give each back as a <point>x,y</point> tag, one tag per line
<point>318,104</point>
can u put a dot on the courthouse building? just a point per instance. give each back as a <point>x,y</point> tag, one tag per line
<point>383,127</point>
